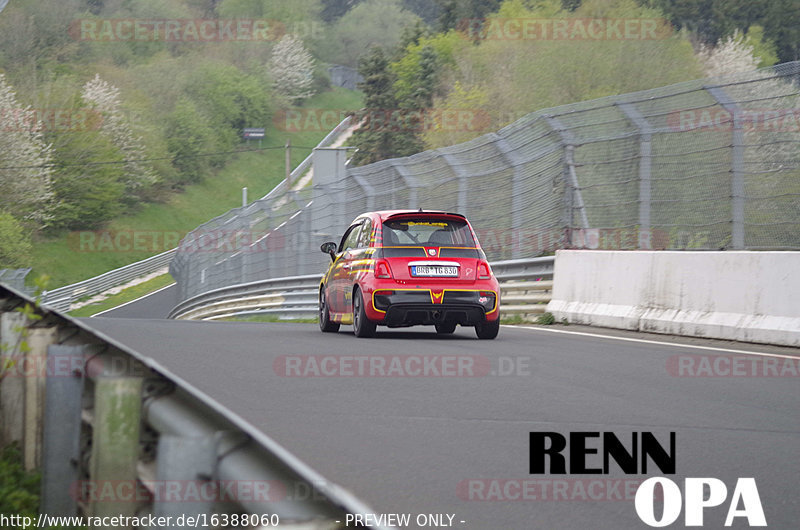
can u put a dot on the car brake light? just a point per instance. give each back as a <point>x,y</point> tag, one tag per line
<point>382,270</point>
<point>484,271</point>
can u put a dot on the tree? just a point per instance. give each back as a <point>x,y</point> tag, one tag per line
<point>189,135</point>
<point>292,69</point>
<point>25,173</point>
<point>335,9</point>
<point>731,55</point>
<point>384,132</point>
<point>15,247</point>
<point>510,77</point>
<point>91,193</point>
<point>104,97</point>
<point>370,23</point>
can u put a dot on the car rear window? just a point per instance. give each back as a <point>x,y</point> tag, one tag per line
<point>426,231</point>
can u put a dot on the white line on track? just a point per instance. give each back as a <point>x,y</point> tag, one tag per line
<point>132,301</point>
<point>658,342</point>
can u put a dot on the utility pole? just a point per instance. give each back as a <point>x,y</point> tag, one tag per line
<point>288,164</point>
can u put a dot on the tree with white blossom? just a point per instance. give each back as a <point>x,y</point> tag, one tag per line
<point>292,69</point>
<point>730,56</point>
<point>25,171</point>
<point>105,98</point>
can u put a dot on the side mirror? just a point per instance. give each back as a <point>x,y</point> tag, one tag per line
<point>329,248</point>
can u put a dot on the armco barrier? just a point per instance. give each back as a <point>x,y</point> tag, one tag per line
<point>525,289</point>
<point>736,295</point>
<point>110,429</point>
<point>62,298</point>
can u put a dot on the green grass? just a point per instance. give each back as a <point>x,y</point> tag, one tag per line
<point>126,295</point>
<point>62,258</point>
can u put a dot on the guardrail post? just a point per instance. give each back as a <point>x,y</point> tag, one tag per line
<point>35,380</point>
<point>62,429</point>
<point>115,440</point>
<point>12,391</point>
<point>183,460</point>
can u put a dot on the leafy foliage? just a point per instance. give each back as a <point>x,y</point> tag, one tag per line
<point>15,246</point>
<point>18,489</point>
<point>379,137</point>
<point>105,98</point>
<point>370,23</point>
<point>25,177</point>
<point>292,69</point>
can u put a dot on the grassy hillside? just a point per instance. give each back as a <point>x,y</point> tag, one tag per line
<point>62,258</point>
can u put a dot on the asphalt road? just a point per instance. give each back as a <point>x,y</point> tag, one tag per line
<point>154,305</point>
<point>438,445</point>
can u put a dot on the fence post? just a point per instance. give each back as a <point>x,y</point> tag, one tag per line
<point>737,166</point>
<point>517,202</point>
<point>645,167</point>
<point>462,182</point>
<point>573,197</point>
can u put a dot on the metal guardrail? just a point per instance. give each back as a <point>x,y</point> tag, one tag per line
<point>61,299</point>
<point>526,286</point>
<point>116,434</point>
<point>15,278</point>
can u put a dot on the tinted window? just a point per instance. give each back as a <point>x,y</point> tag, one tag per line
<point>427,231</point>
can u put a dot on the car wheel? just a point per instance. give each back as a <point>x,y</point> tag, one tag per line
<point>362,326</point>
<point>445,328</point>
<point>325,323</point>
<point>487,329</point>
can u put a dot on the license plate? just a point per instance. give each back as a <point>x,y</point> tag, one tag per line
<point>431,270</point>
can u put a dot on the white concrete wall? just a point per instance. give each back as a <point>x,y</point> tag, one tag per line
<point>746,296</point>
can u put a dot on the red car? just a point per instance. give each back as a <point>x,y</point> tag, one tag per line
<point>405,268</point>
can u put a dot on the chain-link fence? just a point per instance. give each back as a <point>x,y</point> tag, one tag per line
<point>706,164</point>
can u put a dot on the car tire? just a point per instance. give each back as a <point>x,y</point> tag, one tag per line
<point>445,328</point>
<point>362,326</point>
<point>488,329</point>
<point>325,322</point>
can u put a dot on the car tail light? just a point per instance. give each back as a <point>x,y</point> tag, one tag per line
<point>484,271</point>
<point>382,269</point>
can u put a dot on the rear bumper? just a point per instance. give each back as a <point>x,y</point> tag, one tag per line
<point>397,308</point>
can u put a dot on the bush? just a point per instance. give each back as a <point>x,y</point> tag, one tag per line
<point>188,134</point>
<point>18,489</point>
<point>15,246</point>
<point>546,319</point>
<point>87,195</point>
